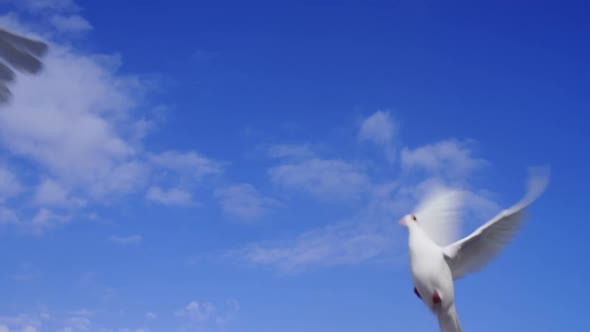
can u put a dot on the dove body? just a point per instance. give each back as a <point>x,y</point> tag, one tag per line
<point>437,258</point>
<point>430,272</point>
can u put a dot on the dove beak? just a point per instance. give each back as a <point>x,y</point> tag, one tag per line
<point>402,222</point>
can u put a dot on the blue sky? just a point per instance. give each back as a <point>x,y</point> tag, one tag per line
<point>242,167</point>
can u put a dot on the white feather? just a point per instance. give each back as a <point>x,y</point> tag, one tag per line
<point>438,214</point>
<point>476,250</point>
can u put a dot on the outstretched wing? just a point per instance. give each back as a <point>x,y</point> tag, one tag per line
<point>439,215</point>
<point>480,247</point>
<point>20,53</point>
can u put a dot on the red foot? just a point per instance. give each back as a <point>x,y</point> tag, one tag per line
<point>416,292</point>
<point>436,297</point>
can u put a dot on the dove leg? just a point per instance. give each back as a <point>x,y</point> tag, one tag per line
<point>436,298</point>
<point>417,294</point>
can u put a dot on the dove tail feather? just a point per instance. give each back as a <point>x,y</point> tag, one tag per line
<point>448,321</point>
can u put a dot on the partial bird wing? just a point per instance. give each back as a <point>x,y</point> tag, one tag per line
<point>480,247</point>
<point>20,53</point>
<point>438,215</point>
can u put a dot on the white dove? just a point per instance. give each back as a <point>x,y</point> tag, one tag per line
<point>20,53</point>
<point>435,264</point>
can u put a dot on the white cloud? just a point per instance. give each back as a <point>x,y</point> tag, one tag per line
<point>197,311</point>
<point>324,178</point>
<point>243,201</point>
<point>373,234</point>
<point>191,163</point>
<point>150,316</point>
<point>76,125</point>
<point>78,323</point>
<point>43,6</point>
<point>21,322</point>
<point>8,216</point>
<point>450,159</point>
<point>380,128</point>
<point>47,219</point>
<point>202,315</point>
<point>52,193</point>
<point>9,184</point>
<point>290,151</point>
<point>62,321</point>
<point>126,240</point>
<point>229,311</point>
<point>173,196</point>
<point>70,23</point>
<point>77,320</point>
<point>71,120</point>
<point>340,244</point>
<point>370,236</point>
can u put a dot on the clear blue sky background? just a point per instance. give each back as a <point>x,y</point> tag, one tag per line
<point>283,143</point>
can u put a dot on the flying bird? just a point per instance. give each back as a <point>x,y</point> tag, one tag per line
<point>20,53</point>
<point>436,261</point>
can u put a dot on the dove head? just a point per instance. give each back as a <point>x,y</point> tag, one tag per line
<point>409,220</point>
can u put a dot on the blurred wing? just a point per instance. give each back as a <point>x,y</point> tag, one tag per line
<point>480,247</point>
<point>439,215</point>
<point>20,53</point>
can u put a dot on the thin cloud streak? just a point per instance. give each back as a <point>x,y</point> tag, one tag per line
<point>373,234</point>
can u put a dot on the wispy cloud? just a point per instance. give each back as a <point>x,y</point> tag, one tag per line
<point>132,330</point>
<point>173,196</point>
<point>450,159</point>
<point>294,151</point>
<point>70,120</point>
<point>373,234</point>
<point>198,314</point>
<point>58,320</point>
<point>369,236</point>
<point>190,164</point>
<point>76,125</point>
<point>9,184</point>
<point>244,202</point>
<point>8,216</point>
<point>126,240</point>
<point>78,322</point>
<point>380,128</point>
<point>21,322</point>
<point>70,23</point>
<point>324,178</point>
<point>44,6</point>
<point>340,244</point>
<point>198,311</point>
<point>52,193</point>
<point>47,219</point>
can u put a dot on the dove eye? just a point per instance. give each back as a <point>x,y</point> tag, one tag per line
<point>414,218</point>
